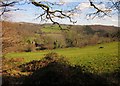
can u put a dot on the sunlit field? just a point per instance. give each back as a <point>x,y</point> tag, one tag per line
<point>103,59</point>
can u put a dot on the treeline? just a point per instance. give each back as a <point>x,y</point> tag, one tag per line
<point>76,36</point>
<point>31,37</point>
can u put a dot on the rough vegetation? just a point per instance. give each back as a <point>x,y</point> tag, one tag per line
<point>55,70</point>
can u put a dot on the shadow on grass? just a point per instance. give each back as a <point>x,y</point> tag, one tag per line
<point>59,73</point>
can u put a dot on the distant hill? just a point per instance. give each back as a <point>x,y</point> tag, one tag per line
<point>18,37</point>
<point>101,27</point>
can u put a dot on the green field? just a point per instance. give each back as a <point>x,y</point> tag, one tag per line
<point>53,28</point>
<point>101,60</point>
<point>50,29</point>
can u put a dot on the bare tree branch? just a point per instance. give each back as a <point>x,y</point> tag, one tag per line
<point>6,4</point>
<point>51,14</point>
<point>99,12</point>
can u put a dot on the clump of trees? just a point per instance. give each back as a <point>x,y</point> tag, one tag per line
<point>82,36</point>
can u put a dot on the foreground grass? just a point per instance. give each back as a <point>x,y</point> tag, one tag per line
<point>92,57</point>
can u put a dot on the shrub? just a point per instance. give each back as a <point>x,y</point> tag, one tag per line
<point>49,58</point>
<point>55,57</point>
<point>29,48</point>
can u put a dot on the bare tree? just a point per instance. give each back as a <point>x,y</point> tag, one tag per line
<point>50,14</point>
<point>110,6</point>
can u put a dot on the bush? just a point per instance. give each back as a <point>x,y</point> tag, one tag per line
<point>29,48</point>
<point>49,58</point>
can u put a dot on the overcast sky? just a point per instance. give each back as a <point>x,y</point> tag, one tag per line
<point>30,12</point>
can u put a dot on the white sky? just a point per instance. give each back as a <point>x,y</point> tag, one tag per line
<point>30,11</point>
